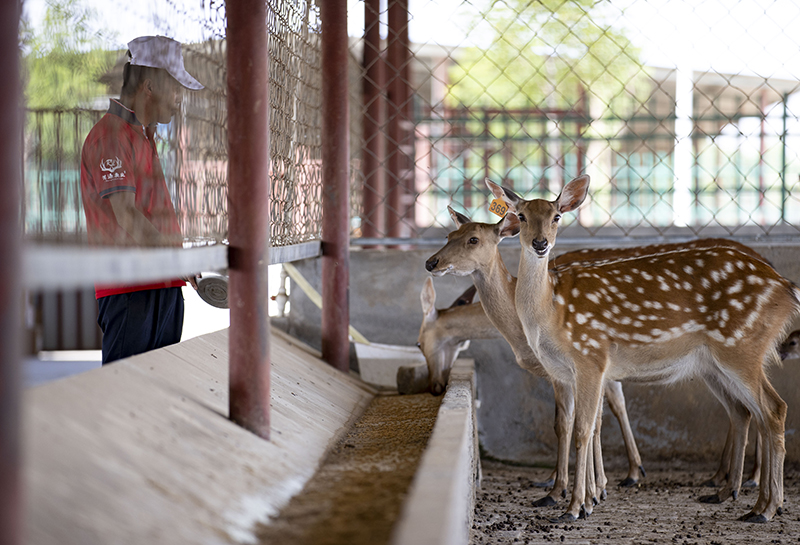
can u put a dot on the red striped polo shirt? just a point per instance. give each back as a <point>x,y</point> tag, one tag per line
<point>119,156</point>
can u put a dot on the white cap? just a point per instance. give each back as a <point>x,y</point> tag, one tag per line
<point>162,52</point>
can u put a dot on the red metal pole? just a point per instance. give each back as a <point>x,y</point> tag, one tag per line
<point>397,161</point>
<point>248,228</point>
<point>335,186</point>
<point>10,256</point>
<point>372,218</point>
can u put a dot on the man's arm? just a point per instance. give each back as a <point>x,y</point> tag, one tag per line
<point>135,224</point>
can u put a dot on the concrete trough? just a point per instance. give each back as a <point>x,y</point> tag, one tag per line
<point>143,452</point>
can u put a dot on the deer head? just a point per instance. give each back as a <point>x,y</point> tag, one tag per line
<point>470,245</point>
<point>439,346</point>
<point>538,219</point>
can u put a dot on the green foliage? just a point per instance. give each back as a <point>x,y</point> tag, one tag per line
<point>64,59</point>
<point>542,53</point>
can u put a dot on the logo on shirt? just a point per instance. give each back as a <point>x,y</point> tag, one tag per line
<point>112,166</point>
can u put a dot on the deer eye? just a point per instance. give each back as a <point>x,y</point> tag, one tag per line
<point>521,217</point>
<point>556,218</point>
<point>473,240</point>
<point>419,345</point>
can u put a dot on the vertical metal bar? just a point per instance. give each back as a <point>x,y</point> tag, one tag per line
<point>784,135</point>
<point>248,194</point>
<point>397,57</point>
<point>10,292</point>
<point>372,218</point>
<point>335,184</point>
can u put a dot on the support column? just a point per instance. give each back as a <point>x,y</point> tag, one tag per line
<point>10,294</point>
<point>397,126</point>
<point>335,186</point>
<point>373,221</point>
<point>248,194</point>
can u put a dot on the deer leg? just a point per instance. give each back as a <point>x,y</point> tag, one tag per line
<point>753,480</point>
<point>565,417</point>
<point>721,476</point>
<point>599,469</point>
<point>771,416</point>
<point>616,402</point>
<point>588,394</point>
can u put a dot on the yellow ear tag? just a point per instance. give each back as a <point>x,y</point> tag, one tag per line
<point>498,207</point>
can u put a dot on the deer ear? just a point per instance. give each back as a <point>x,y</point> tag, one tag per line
<point>573,194</point>
<point>465,298</point>
<point>500,192</point>
<point>508,226</point>
<point>458,218</point>
<point>428,299</point>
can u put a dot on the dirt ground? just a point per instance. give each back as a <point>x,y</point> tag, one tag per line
<point>662,509</point>
<point>356,495</point>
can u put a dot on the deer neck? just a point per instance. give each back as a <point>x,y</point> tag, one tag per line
<point>534,295</point>
<point>467,322</point>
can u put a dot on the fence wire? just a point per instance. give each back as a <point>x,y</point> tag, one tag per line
<point>684,113</point>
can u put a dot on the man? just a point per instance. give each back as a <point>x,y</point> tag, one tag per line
<point>125,196</point>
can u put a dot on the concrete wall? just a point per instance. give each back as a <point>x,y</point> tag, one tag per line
<point>516,412</point>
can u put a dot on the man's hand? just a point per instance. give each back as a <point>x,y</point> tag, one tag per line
<point>192,279</point>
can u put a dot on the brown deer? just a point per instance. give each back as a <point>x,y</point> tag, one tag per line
<point>445,332</point>
<point>714,313</point>
<point>477,255</point>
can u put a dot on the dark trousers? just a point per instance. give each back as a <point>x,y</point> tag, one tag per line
<point>139,321</point>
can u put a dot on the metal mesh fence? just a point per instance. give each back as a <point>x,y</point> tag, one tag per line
<point>193,148</point>
<point>684,113</point>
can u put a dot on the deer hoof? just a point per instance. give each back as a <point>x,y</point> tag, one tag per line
<point>584,514</point>
<point>711,498</point>
<point>566,517</point>
<point>628,481</point>
<point>753,518</point>
<point>644,473</point>
<point>603,494</point>
<point>750,483</point>
<point>547,501</point>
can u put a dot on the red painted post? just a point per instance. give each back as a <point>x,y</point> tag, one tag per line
<point>335,186</point>
<point>10,293</point>
<point>397,161</point>
<point>373,221</point>
<point>248,223</point>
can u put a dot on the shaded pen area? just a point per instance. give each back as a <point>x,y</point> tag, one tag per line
<point>357,494</point>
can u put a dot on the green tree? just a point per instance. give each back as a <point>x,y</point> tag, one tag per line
<point>64,59</point>
<point>542,53</point>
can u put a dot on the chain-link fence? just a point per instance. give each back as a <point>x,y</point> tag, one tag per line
<point>193,148</point>
<point>684,113</point>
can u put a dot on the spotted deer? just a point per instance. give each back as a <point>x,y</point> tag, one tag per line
<point>470,253</point>
<point>714,313</point>
<point>443,334</point>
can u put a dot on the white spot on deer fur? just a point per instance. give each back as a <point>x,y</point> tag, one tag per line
<point>598,325</point>
<point>575,292</point>
<point>698,297</point>
<point>642,338</point>
<point>716,275</point>
<point>607,315</point>
<point>637,323</point>
<point>740,264</point>
<point>755,280</point>
<point>628,278</point>
<point>571,307</point>
<point>728,267</point>
<point>646,276</point>
<point>702,308</point>
<point>700,263</point>
<point>670,274</point>
<point>671,261</point>
<point>560,299</point>
<point>736,304</point>
<point>593,298</point>
<point>605,281</point>
<point>585,351</point>
<point>687,286</point>
<point>640,290</point>
<point>673,306</point>
<point>705,283</point>
<point>724,315</point>
<point>751,266</point>
<point>584,336</point>
<point>688,269</point>
<point>593,343</point>
<point>625,320</point>
<point>581,318</point>
<point>692,326</point>
<point>736,287</point>
<point>716,335</point>
<point>577,346</point>
<point>716,295</point>
<point>635,271</point>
